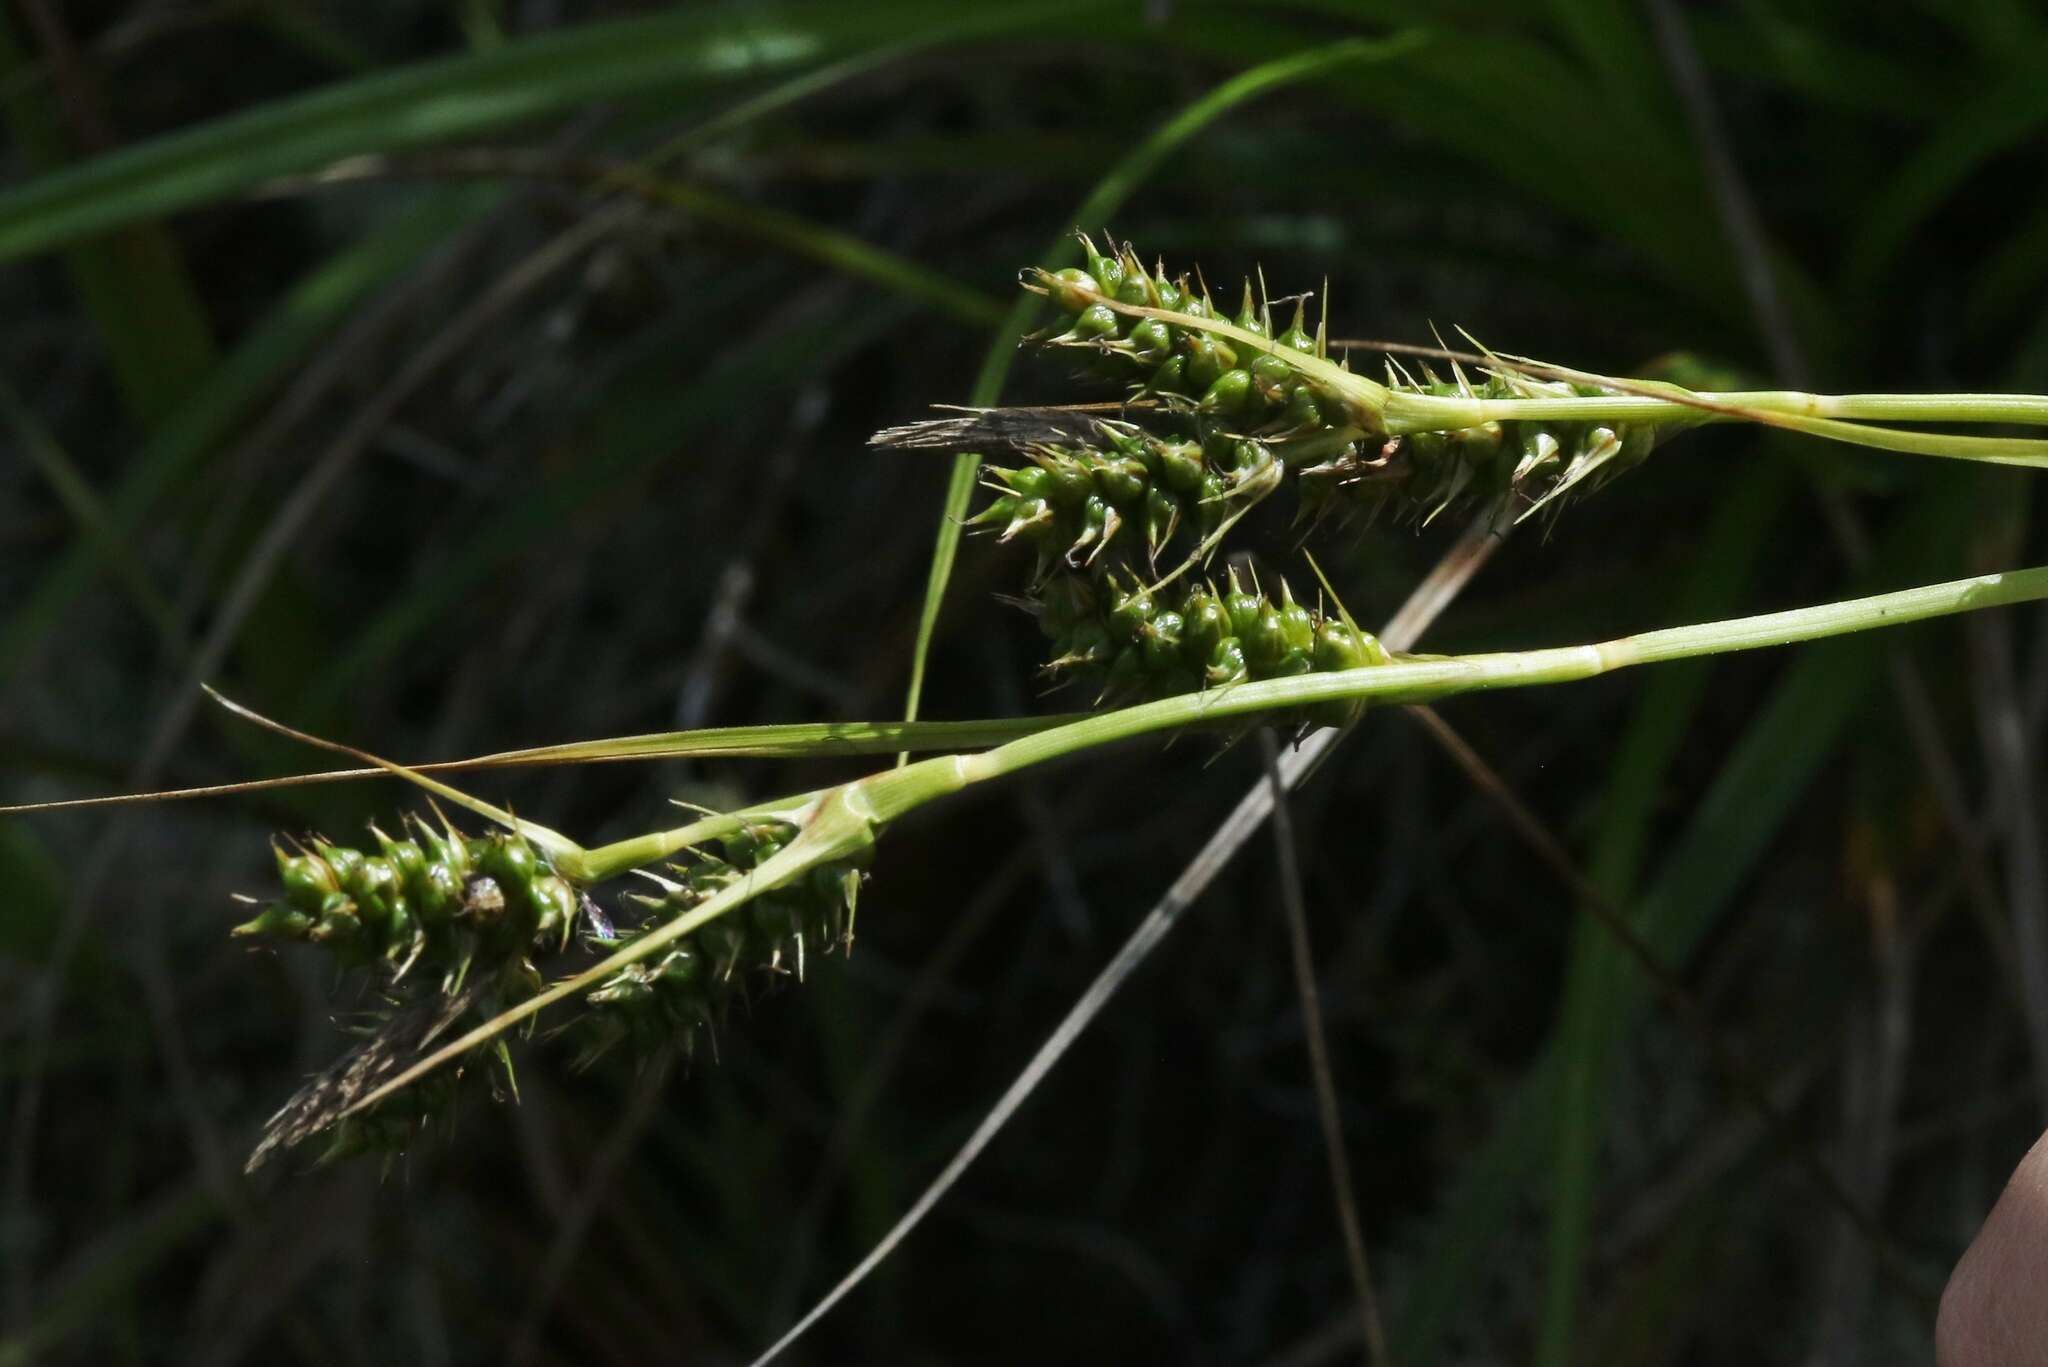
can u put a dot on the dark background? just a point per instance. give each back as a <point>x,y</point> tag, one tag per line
<point>455,450</point>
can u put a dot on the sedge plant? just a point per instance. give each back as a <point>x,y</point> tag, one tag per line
<point>1130,508</point>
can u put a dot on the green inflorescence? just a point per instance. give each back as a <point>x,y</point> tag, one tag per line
<point>1075,503</point>
<point>685,989</point>
<point>1259,405</point>
<point>1123,514</point>
<point>1141,644</point>
<point>451,927</point>
<point>443,902</point>
<point>1225,412</point>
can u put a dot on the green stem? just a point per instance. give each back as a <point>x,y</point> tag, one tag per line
<point>1425,680</point>
<point>841,823</point>
<point>2031,409</point>
<point>609,861</point>
<point>1434,413</point>
<point>1398,412</point>
<point>2015,408</point>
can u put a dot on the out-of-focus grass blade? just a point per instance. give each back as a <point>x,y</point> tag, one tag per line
<point>1611,39</point>
<point>35,906</point>
<point>1568,135</point>
<point>1763,42</point>
<point>122,1257</point>
<point>1475,83</point>
<point>1764,779</point>
<point>1108,195</point>
<point>277,345</point>
<point>2002,113</point>
<point>1993,27</point>
<point>786,93</point>
<point>1639,1320</point>
<point>468,95</point>
<point>838,250</point>
<point>757,224</point>
<point>2005,285</point>
<point>83,504</point>
<point>645,417</point>
<point>133,282</point>
<point>1722,564</point>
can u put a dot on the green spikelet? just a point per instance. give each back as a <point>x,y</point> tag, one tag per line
<point>1140,329</point>
<point>1073,504</point>
<point>1259,406</point>
<point>684,992</point>
<point>1135,644</point>
<point>436,902</point>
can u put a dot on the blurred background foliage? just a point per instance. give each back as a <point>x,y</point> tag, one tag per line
<point>454,375</point>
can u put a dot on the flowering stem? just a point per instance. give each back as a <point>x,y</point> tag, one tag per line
<point>2012,408</point>
<point>1374,407</point>
<point>1820,415</point>
<point>841,823</point>
<point>1425,679</point>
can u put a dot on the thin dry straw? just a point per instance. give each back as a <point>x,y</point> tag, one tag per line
<point>1429,599</point>
<point>809,740</point>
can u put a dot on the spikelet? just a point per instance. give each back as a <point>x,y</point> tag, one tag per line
<point>447,927</point>
<point>1135,644</point>
<point>1074,503</point>
<point>450,929</point>
<point>438,903</point>
<point>683,992</point>
<point>1244,396</point>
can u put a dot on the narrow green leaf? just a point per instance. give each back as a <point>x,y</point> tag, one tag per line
<point>231,392</point>
<point>804,740</point>
<point>1611,39</point>
<point>814,241</point>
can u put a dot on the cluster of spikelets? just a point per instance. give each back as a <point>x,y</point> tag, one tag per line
<point>451,928</point>
<point>1223,412</point>
<point>440,902</point>
<point>684,990</point>
<point>1270,404</point>
<point>1124,515</point>
<point>1145,644</point>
